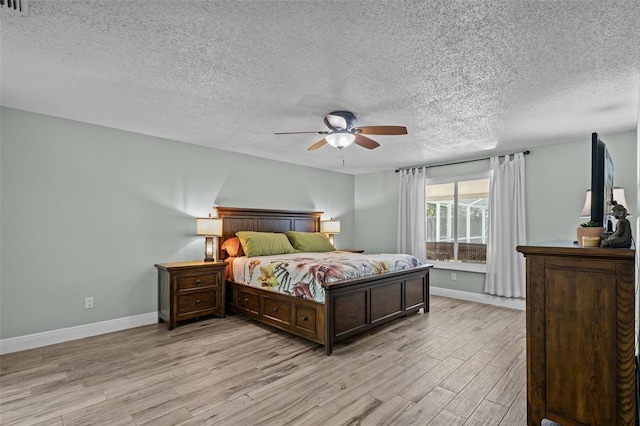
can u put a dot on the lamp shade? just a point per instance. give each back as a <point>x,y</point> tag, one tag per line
<point>619,198</point>
<point>340,139</point>
<point>586,210</point>
<point>209,226</point>
<point>330,226</point>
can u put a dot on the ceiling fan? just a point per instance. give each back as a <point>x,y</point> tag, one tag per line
<point>342,132</point>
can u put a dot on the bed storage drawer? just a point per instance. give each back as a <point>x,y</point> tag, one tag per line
<point>302,317</point>
<point>277,310</point>
<point>306,318</point>
<point>248,301</point>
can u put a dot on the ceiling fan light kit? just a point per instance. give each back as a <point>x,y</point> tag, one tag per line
<point>340,139</point>
<point>342,132</point>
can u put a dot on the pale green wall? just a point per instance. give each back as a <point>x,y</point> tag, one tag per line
<point>376,198</point>
<point>557,177</point>
<point>87,211</point>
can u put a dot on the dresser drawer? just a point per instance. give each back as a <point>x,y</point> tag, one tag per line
<point>193,302</point>
<point>306,318</point>
<point>278,310</point>
<point>248,301</point>
<point>195,281</point>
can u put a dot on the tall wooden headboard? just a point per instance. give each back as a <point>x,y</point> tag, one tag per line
<point>236,219</point>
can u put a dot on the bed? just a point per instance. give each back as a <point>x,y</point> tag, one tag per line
<point>351,306</point>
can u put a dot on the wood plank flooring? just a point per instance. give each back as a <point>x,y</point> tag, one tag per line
<point>461,364</point>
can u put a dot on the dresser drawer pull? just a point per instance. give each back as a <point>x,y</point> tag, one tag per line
<point>304,318</point>
<point>198,281</point>
<point>275,309</point>
<point>246,300</point>
<point>198,301</point>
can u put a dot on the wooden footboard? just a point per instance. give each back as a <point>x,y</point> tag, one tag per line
<point>356,306</point>
<point>351,307</point>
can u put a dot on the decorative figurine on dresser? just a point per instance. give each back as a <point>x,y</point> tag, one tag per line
<point>622,237</point>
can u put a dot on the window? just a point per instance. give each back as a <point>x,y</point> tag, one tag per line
<point>457,225</point>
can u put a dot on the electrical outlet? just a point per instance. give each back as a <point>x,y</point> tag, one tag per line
<point>88,302</point>
<point>453,276</point>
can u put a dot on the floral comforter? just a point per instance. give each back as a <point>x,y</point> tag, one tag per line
<point>302,274</point>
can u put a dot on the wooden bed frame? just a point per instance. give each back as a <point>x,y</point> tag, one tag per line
<point>351,307</point>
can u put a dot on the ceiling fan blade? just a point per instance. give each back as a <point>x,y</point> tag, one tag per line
<point>318,132</point>
<point>382,130</point>
<point>365,142</point>
<point>317,145</point>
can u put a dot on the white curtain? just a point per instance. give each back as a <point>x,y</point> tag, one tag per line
<point>411,213</point>
<point>505,266</point>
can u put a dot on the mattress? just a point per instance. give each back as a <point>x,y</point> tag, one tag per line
<point>303,274</point>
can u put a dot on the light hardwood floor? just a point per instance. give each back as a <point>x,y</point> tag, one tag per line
<point>462,363</point>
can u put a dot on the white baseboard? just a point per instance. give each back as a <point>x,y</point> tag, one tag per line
<point>36,340</point>
<point>488,299</point>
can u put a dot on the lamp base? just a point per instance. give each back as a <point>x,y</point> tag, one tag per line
<point>209,252</point>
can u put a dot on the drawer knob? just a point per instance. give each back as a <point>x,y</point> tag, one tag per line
<point>304,318</point>
<point>198,301</point>
<point>198,281</point>
<point>246,300</point>
<point>275,309</point>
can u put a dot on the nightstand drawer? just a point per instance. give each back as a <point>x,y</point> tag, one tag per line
<point>197,301</point>
<point>208,280</point>
<point>306,318</point>
<point>278,310</point>
<point>248,301</point>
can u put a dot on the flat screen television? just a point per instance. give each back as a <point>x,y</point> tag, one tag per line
<point>601,182</point>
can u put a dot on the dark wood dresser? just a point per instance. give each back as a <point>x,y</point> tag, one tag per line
<point>190,290</point>
<point>580,334</point>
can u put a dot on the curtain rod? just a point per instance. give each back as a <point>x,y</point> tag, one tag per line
<point>457,162</point>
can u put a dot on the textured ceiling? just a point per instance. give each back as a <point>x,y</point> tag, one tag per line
<point>468,79</point>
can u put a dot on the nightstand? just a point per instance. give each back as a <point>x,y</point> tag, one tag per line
<point>190,290</point>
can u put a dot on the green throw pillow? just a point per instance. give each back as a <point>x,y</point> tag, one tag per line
<point>264,243</point>
<point>310,241</point>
